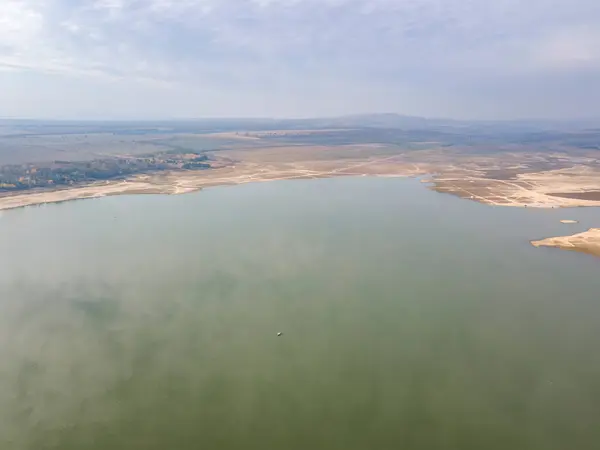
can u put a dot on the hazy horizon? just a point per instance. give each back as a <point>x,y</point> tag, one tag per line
<point>399,115</point>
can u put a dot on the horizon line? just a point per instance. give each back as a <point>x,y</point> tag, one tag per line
<point>298,119</point>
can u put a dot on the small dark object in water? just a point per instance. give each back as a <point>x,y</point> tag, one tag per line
<point>279,334</point>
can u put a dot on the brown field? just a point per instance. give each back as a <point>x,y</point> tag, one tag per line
<point>589,195</point>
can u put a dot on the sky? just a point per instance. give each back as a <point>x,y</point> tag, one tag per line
<point>474,59</point>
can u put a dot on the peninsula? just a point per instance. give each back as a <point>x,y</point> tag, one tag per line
<point>586,242</point>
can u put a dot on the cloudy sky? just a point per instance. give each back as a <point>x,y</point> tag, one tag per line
<point>299,58</point>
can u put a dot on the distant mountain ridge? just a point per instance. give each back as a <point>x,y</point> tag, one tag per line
<point>376,120</point>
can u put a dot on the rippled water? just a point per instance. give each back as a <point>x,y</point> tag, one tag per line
<point>410,320</point>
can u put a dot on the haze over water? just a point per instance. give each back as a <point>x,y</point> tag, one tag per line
<point>410,320</point>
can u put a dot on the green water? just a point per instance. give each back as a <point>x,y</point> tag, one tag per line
<point>410,320</point>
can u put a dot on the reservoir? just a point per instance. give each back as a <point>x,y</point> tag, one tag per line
<point>409,319</point>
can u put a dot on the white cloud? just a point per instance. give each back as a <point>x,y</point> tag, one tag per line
<point>572,48</point>
<point>291,48</point>
<point>20,24</point>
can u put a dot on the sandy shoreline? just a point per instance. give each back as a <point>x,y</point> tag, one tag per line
<point>173,183</point>
<point>76,193</point>
<point>181,182</point>
<point>227,172</point>
<point>493,193</point>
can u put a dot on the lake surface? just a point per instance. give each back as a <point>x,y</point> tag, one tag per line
<point>410,320</point>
